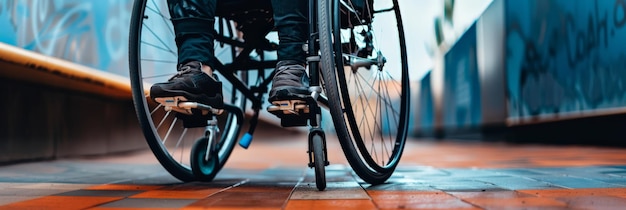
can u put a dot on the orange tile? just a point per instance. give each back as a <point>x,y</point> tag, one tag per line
<point>443,204</point>
<point>228,208</point>
<point>619,192</point>
<point>180,192</point>
<point>594,202</point>
<point>176,194</point>
<point>117,208</point>
<point>330,204</point>
<point>123,187</point>
<point>512,203</point>
<point>244,200</point>
<point>417,200</point>
<point>61,202</point>
<point>270,189</point>
<point>489,194</point>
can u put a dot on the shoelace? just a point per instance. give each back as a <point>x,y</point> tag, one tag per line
<point>186,70</point>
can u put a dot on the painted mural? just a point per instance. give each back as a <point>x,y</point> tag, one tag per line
<point>461,97</point>
<point>565,56</point>
<point>93,33</point>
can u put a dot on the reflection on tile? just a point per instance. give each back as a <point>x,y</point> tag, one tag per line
<point>574,182</point>
<point>417,200</point>
<point>594,202</point>
<point>58,186</point>
<point>149,203</point>
<point>517,203</point>
<point>13,199</point>
<point>242,199</point>
<point>330,204</point>
<point>61,202</point>
<point>334,190</point>
<point>516,183</point>
<point>123,187</point>
<point>104,193</point>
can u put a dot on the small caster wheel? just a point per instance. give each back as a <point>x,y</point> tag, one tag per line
<point>319,159</point>
<point>204,169</point>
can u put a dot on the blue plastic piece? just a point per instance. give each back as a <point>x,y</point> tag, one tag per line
<point>245,140</point>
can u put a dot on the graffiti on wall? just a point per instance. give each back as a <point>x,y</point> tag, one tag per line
<point>461,106</point>
<point>565,56</point>
<point>89,32</point>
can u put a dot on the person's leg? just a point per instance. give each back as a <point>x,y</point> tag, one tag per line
<point>193,26</point>
<point>193,22</point>
<point>291,21</point>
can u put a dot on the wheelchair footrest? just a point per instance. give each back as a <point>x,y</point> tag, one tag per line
<point>192,114</point>
<point>180,104</point>
<point>292,113</point>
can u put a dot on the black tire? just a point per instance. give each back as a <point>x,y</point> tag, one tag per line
<point>372,133</point>
<point>203,169</point>
<point>319,161</point>
<point>152,58</point>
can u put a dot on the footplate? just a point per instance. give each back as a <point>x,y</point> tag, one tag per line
<point>180,104</point>
<point>192,114</point>
<point>291,112</point>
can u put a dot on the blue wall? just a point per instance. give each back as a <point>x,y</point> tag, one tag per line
<point>565,56</point>
<point>93,33</point>
<point>562,59</point>
<point>461,97</point>
<point>424,108</point>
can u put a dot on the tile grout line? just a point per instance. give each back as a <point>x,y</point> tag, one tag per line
<point>229,187</point>
<point>300,180</point>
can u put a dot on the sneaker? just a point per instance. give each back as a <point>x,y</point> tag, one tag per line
<point>193,84</point>
<point>290,82</point>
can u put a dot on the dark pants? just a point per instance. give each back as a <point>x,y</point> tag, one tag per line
<point>193,22</point>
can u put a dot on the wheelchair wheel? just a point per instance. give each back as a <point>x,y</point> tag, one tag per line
<point>366,81</point>
<point>152,59</point>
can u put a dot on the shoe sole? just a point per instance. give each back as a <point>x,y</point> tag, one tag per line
<point>288,107</point>
<point>215,101</point>
<point>181,105</point>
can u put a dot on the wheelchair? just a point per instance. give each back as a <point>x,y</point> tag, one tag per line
<point>357,64</point>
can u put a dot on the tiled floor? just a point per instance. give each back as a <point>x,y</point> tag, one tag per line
<point>272,175</point>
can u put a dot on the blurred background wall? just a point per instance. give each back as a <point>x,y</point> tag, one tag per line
<point>547,70</point>
<point>93,33</point>
<point>564,57</point>
<point>43,121</point>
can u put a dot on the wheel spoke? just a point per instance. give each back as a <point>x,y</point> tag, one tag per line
<point>363,101</point>
<point>158,60</point>
<point>395,113</point>
<point>180,140</point>
<point>164,47</point>
<point>163,120</point>
<point>163,18</point>
<point>155,109</point>
<point>169,131</point>
<point>382,135</point>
